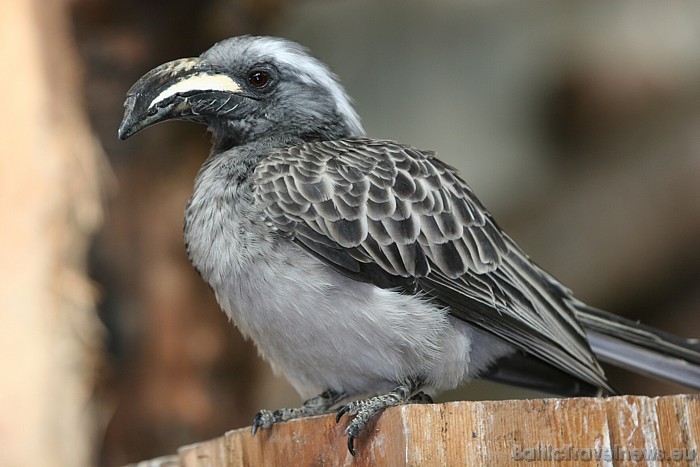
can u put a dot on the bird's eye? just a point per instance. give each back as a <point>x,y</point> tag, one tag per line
<point>259,78</point>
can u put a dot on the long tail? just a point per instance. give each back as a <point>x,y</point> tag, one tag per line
<point>640,348</point>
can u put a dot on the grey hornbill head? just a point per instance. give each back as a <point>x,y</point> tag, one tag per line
<point>245,88</point>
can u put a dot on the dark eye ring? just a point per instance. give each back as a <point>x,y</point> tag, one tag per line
<point>259,78</point>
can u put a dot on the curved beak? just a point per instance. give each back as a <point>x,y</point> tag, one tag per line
<point>189,88</point>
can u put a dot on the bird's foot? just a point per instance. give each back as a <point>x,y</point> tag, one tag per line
<point>318,405</point>
<point>365,410</point>
<point>421,398</point>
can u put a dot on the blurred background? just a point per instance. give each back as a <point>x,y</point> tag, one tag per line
<point>577,123</point>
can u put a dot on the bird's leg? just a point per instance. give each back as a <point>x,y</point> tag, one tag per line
<point>365,410</point>
<point>318,405</point>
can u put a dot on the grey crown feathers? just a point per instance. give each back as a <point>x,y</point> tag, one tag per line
<point>361,266</point>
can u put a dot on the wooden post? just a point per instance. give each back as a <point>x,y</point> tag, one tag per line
<point>617,430</point>
<point>50,205</point>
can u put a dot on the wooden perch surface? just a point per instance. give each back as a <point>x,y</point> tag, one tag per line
<point>621,430</point>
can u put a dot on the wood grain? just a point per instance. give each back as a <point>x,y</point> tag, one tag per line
<point>589,431</point>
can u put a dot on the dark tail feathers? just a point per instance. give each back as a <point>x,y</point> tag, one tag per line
<point>640,348</point>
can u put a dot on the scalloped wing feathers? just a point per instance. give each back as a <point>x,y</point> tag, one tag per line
<point>390,204</point>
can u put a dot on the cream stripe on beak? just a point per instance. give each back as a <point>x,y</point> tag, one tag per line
<point>198,82</point>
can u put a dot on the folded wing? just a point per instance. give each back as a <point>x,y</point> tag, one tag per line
<point>396,216</point>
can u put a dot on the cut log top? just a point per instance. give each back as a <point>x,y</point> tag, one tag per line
<point>593,431</point>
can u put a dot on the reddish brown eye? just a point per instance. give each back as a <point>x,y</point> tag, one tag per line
<point>259,79</point>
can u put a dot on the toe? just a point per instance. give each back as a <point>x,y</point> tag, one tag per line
<point>263,419</point>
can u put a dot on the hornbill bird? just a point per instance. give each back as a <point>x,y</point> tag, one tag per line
<point>361,266</point>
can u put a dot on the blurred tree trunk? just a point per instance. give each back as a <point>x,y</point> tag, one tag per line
<point>49,206</point>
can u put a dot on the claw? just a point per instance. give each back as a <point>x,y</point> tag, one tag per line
<point>257,423</point>
<point>351,445</point>
<point>341,411</point>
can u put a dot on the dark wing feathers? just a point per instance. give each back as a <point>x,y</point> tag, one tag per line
<point>398,217</point>
<point>397,205</point>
